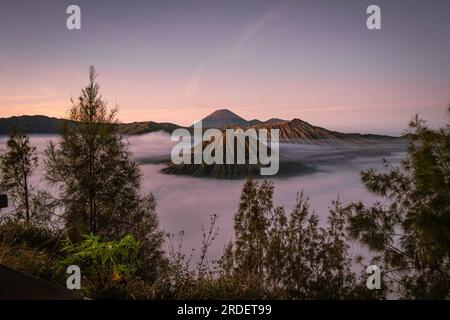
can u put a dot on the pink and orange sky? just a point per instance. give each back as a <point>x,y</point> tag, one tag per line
<point>177,61</point>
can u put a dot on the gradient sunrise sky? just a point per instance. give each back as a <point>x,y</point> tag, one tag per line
<point>177,61</point>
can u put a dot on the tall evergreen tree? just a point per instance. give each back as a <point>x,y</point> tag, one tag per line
<point>98,181</point>
<point>17,165</point>
<point>410,229</point>
<point>251,226</point>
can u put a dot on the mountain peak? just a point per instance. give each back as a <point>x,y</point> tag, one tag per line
<point>223,114</point>
<point>274,120</point>
<point>223,118</point>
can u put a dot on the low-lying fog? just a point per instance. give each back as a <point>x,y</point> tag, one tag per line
<point>186,203</point>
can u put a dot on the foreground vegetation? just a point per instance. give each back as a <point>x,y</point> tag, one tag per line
<point>100,221</point>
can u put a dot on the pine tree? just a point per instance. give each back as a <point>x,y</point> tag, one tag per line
<point>250,225</point>
<point>99,183</point>
<point>92,167</point>
<point>17,166</point>
<point>410,229</point>
<point>303,241</point>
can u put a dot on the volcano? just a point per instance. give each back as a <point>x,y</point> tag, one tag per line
<point>223,118</point>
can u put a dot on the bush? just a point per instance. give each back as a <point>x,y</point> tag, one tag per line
<point>15,232</point>
<point>31,249</point>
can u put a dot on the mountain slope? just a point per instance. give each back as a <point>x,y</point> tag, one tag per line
<point>299,131</point>
<point>287,167</point>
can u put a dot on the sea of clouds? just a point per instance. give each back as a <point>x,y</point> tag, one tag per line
<point>185,203</point>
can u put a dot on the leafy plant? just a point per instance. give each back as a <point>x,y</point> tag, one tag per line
<point>105,266</point>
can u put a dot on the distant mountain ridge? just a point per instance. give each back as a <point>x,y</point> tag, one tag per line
<point>50,125</point>
<point>299,131</point>
<point>32,124</point>
<point>291,131</point>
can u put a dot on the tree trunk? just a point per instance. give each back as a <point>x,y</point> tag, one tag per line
<point>27,205</point>
<point>25,187</point>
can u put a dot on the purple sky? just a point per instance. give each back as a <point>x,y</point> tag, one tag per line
<point>180,60</point>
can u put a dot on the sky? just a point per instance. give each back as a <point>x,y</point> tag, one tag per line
<point>178,61</point>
